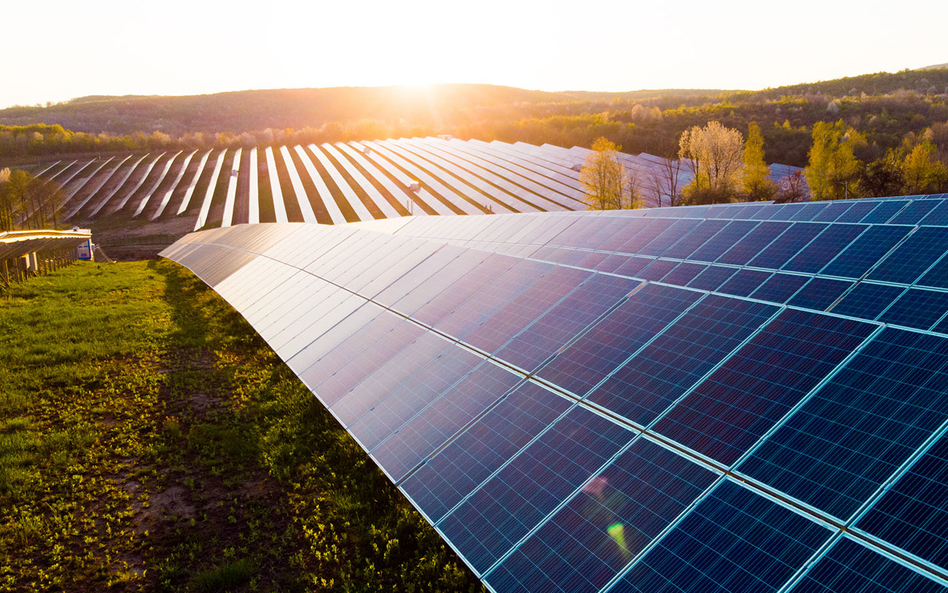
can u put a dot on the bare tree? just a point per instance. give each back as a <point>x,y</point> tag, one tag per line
<point>665,181</point>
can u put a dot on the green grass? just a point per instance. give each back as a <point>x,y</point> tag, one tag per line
<point>151,441</point>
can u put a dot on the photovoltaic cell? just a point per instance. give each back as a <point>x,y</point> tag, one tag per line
<point>645,236</point>
<point>937,276</point>
<point>847,439</point>
<point>632,266</point>
<point>712,277</point>
<point>917,308</point>
<point>884,211</point>
<point>668,237</point>
<point>913,257</point>
<point>715,247</point>
<point>849,566</point>
<point>613,339</point>
<point>657,269</point>
<point>786,246</point>
<point>733,541</point>
<point>724,416</point>
<point>823,248</point>
<point>684,273</point>
<point>938,216</point>
<point>443,418</point>
<point>401,402</point>
<point>693,240</point>
<point>525,308</point>
<point>833,211</point>
<point>913,513</point>
<point>780,287</point>
<point>867,300</point>
<point>914,212</point>
<point>493,519</point>
<point>445,479</point>
<point>747,248</point>
<point>865,251</point>
<point>561,323</point>
<point>819,293</point>
<point>858,211</point>
<point>677,359</point>
<point>609,522</point>
<point>744,282</point>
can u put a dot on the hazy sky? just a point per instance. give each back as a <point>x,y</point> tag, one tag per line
<point>57,50</point>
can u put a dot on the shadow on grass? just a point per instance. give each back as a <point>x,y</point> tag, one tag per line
<point>335,521</point>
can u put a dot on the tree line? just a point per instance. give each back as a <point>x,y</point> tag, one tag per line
<point>28,202</point>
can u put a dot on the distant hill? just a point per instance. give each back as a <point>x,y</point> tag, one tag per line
<point>244,111</point>
<point>935,67</point>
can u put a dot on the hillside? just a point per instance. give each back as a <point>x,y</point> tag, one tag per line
<point>247,111</point>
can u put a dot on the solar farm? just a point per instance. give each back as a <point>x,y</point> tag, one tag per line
<point>339,183</point>
<point>744,397</point>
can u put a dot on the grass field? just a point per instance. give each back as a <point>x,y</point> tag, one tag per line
<point>150,440</point>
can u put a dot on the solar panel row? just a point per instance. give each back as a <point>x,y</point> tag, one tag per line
<point>655,423</point>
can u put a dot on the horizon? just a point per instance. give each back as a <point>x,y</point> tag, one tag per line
<point>186,49</point>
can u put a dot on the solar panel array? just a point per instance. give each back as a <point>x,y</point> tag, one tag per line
<point>338,183</point>
<point>743,397</point>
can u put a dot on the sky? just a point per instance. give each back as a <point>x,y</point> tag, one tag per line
<point>58,50</point>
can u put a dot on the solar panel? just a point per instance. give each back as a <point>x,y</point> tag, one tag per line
<point>644,401</point>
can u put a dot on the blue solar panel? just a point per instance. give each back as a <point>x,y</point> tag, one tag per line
<point>615,515</point>
<point>857,212</point>
<point>733,541</point>
<point>868,300</point>
<point>938,216</point>
<point>847,439</point>
<point>725,415</point>
<point>479,307</point>
<point>913,513</point>
<point>851,568</point>
<point>809,211</point>
<point>712,277</point>
<point>371,417</point>
<point>917,308</point>
<point>504,509</point>
<point>684,273</point>
<point>668,237</point>
<point>677,359</point>
<point>526,307</point>
<point>914,212</point>
<point>823,248</point>
<point>747,248</point>
<point>744,282</point>
<point>445,416</point>
<point>645,236</point>
<point>884,211</point>
<point>778,253</point>
<point>819,293</point>
<point>912,258</point>
<point>632,266</point>
<point>865,251</point>
<point>715,247</point>
<point>657,269</point>
<point>780,287</point>
<point>613,339</point>
<point>833,211</point>
<point>561,323</point>
<point>445,479</point>
<point>695,239</point>
<point>512,423</point>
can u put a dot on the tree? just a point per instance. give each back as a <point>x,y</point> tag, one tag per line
<point>755,178</point>
<point>921,173</point>
<point>604,178</point>
<point>715,154</point>
<point>834,171</point>
<point>883,177</point>
<point>793,189</point>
